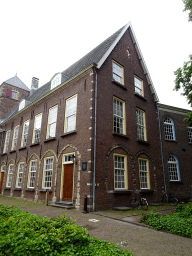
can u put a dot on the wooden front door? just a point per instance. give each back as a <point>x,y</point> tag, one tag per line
<point>68,182</point>
<point>1,181</point>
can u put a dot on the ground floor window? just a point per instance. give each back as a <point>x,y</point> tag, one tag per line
<point>48,172</point>
<point>120,172</point>
<point>173,168</point>
<point>32,174</point>
<point>20,175</point>
<point>144,174</point>
<point>10,175</point>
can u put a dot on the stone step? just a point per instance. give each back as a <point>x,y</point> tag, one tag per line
<point>64,202</point>
<point>63,206</point>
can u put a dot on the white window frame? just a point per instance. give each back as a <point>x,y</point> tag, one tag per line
<point>173,168</point>
<point>21,105</point>
<point>10,175</point>
<point>189,134</point>
<point>67,158</point>
<point>120,167</point>
<point>47,173</point>
<point>52,122</point>
<point>144,176</point>
<point>32,174</point>
<point>138,86</point>
<point>119,122</point>
<point>141,125</point>
<point>25,133</point>
<point>169,128</point>
<point>7,138</point>
<point>70,114</point>
<point>37,128</point>
<point>56,81</point>
<point>20,172</point>
<point>118,72</point>
<point>15,137</point>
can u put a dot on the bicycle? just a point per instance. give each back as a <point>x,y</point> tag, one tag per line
<point>135,202</point>
<point>168,198</point>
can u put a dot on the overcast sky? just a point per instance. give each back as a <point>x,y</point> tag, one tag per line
<point>40,38</point>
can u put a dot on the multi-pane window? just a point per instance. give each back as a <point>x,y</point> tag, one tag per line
<point>20,175</point>
<point>56,81</point>
<point>144,174</point>
<point>14,95</point>
<point>10,175</point>
<point>138,86</point>
<point>190,134</point>
<point>173,168</point>
<point>169,129</point>
<point>37,129</point>
<point>6,146</point>
<point>15,137</point>
<point>32,174</point>
<point>118,116</point>
<point>118,73</point>
<point>52,122</point>
<point>48,172</point>
<point>25,134</point>
<point>71,110</point>
<point>120,172</point>
<point>141,128</point>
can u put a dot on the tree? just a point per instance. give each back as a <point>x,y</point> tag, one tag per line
<point>188,7</point>
<point>184,74</point>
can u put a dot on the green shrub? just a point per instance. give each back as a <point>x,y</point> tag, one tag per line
<point>22,233</point>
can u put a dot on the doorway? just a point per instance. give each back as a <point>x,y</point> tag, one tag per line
<point>68,182</point>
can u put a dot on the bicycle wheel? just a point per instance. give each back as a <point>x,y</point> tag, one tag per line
<point>134,202</point>
<point>173,200</point>
<point>144,204</point>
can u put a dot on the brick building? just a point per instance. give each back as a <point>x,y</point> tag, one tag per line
<point>91,130</point>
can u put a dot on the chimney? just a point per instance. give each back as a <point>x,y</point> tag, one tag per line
<point>34,85</point>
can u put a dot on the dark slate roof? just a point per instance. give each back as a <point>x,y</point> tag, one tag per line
<point>15,81</point>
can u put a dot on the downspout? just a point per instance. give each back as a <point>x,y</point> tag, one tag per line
<point>95,135</point>
<point>160,137</point>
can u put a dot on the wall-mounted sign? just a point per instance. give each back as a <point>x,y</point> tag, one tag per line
<point>84,166</point>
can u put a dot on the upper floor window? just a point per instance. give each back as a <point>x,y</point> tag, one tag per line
<point>120,172</point>
<point>37,128</point>
<point>21,105</point>
<point>173,168</point>
<point>25,134</point>
<point>190,134</point>
<point>144,174</point>
<point>52,121</point>
<point>32,174</point>
<point>70,116</point>
<point>169,129</point>
<point>56,81</point>
<point>48,170</point>
<point>138,86</point>
<point>118,73</point>
<point>119,116</point>
<point>10,175</point>
<point>14,94</point>
<point>141,127</point>
<point>15,137</point>
<point>20,175</point>
<point>6,146</point>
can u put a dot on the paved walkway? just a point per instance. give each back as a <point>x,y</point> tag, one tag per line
<point>127,233</point>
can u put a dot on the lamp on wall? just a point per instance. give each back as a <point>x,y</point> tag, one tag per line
<point>72,158</point>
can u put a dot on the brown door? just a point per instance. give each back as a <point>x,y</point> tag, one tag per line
<point>1,182</point>
<point>68,182</point>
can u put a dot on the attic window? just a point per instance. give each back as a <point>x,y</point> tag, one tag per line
<point>56,81</point>
<point>14,94</point>
<point>21,105</point>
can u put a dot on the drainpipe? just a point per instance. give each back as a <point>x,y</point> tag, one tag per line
<point>95,134</point>
<point>161,151</point>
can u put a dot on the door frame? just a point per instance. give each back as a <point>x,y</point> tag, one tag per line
<point>2,171</point>
<point>64,162</point>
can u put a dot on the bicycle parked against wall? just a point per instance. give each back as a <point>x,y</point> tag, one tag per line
<point>168,198</point>
<point>141,201</point>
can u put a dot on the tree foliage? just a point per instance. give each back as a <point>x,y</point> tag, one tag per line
<point>188,7</point>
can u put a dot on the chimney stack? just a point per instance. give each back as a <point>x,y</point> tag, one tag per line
<point>34,85</point>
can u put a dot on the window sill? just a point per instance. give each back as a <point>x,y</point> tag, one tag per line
<point>44,190</point>
<point>50,139</point>
<point>4,154</point>
<point>17,189</point>
<point>7,188</point>
<point>34,144</point>
<point>140,96</point>
<point>146,191</point>
<point>120,85</point>
<point>22,148</point>
<point>126,191</point>
<point>30,189</point>
<point>143,142</point>
<point>68,133</point>
<point>171,140</point>
<point>121,135</point>
<point>12,151</point>
<point>175,181</point>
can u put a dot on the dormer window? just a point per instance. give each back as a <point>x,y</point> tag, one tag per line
<point>56,81</point>
<point>21,105</point>
<point>14,95</point>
